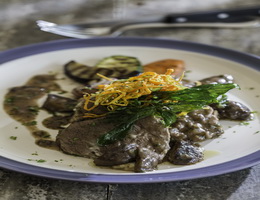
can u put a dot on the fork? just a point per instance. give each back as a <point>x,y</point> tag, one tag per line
<point>239,18</point>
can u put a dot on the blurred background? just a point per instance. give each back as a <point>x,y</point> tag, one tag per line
<point>17,19</point>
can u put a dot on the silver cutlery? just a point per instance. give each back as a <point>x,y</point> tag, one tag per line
<point>236,18</point>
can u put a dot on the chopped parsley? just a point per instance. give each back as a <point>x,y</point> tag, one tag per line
<point>34,109</point>
<point>31,123</point>
<point>38,161</point>
<point>244,123</point>
<point>62,92</point>
<point>13,137</point>
<point>35,154</point>
<point>9,100</point>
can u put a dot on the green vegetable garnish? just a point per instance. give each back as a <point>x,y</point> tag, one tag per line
<point>164,104</point>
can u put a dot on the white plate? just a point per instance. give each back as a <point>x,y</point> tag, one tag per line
<point>237,148</point>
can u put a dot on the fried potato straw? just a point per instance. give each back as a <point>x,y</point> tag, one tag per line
<point>119,92</point>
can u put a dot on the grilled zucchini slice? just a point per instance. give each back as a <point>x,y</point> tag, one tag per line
<point>79,72</point>
<point>119,61</point>
<point>86,74</point>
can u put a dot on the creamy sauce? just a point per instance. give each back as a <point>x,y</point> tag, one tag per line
<point>48,82</point>
<point>21,104</point>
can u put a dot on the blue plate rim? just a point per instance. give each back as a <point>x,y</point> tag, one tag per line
<point>205,172</point>
<point>249,60</point>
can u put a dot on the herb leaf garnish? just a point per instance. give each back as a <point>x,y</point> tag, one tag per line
<point>165,105</point>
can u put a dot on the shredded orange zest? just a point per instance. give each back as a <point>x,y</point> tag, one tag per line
<point>119,92</point>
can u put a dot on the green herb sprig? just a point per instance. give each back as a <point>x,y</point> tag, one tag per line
<point>163,104</point>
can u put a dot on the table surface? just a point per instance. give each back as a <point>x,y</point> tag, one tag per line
<point>18,28</point>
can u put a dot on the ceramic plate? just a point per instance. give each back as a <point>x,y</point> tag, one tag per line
<point>237,148</point>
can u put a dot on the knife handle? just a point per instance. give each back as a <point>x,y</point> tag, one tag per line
<point>214,16</point>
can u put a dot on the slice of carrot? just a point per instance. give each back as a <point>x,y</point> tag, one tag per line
<point>161,66</point>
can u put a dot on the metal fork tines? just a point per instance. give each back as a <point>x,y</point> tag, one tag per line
<point>75,31</point>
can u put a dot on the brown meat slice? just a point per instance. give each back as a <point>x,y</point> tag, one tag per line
<point>146,143</point>
<point>80,138</point>
<point>56,103</point>
<point>79,91</point>
<point>80,113</point>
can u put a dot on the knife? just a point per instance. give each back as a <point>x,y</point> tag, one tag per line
<point>229,15</point>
